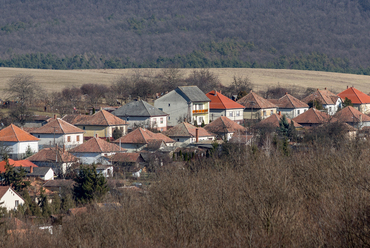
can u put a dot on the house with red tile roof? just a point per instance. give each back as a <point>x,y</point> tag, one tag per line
<point>10,198</point>
<point>290,106</point>
<point>185,133</point>
<point>31,169</point>
<point>58,132</point>
<point>274,121</point>
<point>360,100</point>
<point>95,150</point>
<point>101,123</point>
<point>56,158</point>
<point>224,128</point>
<point>256,107</point>
<point>330,101</point>
<point>131,160</point>
<point>141,138</point>
<point>313,117</point>
<point>17,141</point>
<point>353,117</point>
<point>223,106</point>
<point>17,163</point>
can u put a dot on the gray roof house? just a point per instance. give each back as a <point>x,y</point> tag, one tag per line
<point>185,102</point>
<point>142,114</point>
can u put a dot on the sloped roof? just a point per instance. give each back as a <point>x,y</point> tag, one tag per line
<point>142,136</point>
<point>289,102</point>
<point>351,115</point>
<point>58,126</point>
<point>324,96</point>
<point>356,96</point>
<point>274,121</point>
<point>138,108</point>
<point>219,101</point>
<point>129,157</point>
<point>193,93</point>
<point>3,190</point>
<point>60,183</point>
<point>16,163</point>
<point>313,116</point>
<point>224,125</point>
<point>96,145</point>
<point>12,133</point>
<point>50,155</point>
<point>74,118</point>
<point>186,130</point>
<point>39,171</point>
<point>101,118</point>
<point>253,100</point>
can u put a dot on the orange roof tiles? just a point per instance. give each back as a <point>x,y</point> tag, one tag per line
<point>253,100</point>
<point>324,96</point>
<point>96,145</point>
<point>351,115</point>
<point>13,133</point>
<point>219,101</point>
<point>142,136</point>
<point>101,118</point>
<point>58,126</point>
<point>129,157</point>
<point>16,163</point>
<point>313,116</point>
<point>274,121</point>
<point>224,125</point>
<point>51,154</point>
<point>289,102</point>
<point>356,96</point>
<point>186,130</point>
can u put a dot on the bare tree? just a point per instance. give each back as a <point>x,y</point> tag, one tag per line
<point>94,93</point>
<point>23,88</point>
<point>204,79</point>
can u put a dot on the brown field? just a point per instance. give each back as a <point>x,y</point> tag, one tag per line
<point>55,80</point>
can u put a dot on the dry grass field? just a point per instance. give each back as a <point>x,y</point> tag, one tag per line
<point>55,80</point>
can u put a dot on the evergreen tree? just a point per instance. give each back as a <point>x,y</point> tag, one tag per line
<point>347,102</point>
<point>203,124</point>
<point>283,126</point>
<point>44,203</point>
<point>292,132</point>
<point>14,178</point>
<point>89,185</point>
<point>117,133</point>
<point>67,202</point>
<point>56,205</point>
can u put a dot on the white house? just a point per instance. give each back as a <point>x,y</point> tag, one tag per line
<point>142,114</point>
<point>290,106</point>
<point>224,128</point>
<point>10,198</point>
<point>185,102</point>
<point>18,141</point>
<point>44,173</point>
<point>330,101</point>
<point>59,132</point>
<point>185,133</point>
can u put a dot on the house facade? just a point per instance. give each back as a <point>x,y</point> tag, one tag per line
<point>185,133</point>
<point>353,117</point>
<point>256,107</point>
<point>360,100</point>
<point>224,128</point>
<point>330,101</point>
<point>290,106</point>
<point>11,199</point>
<point>185,102</point>
<point>313,118</point>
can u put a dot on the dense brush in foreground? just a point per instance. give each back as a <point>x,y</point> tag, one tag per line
<point>319,197</point>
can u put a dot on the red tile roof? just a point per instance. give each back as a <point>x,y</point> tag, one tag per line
<point>313,116</point>
<point>129,157</point>
<point>101,118</point>
<point>252,100</point>
<point>13,133</point>
<point>219,101</point>
<point>224,125</point>
<point>74,118</point>
<point>97,145</point>
<point>274,121</point>
<point>16,163</point>
<point>142,136</point>
<point>51,154</point>
<point>351,115</point>
<point>186,130</point>
<point>356,96</point>
<point>58,126</point>
<point>324,96</point>
<point>289,102</point>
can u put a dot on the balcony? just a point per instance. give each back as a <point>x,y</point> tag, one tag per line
<point>200,111</point>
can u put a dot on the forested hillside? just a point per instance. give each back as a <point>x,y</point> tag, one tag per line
<point>330,35</point>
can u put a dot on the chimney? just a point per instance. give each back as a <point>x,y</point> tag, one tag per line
<point>96,135</point>
<point>197,135</point>
<point>286,93</point>
<point>347,86</point>
<point>279,113</point>
<point>325,88</point>
<point>31,169</point>
<point>215,93</point>
<point>55,116</point>
<point>317,89</point>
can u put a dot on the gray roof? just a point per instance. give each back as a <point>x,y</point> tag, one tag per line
<point>37,171</point>
<point>138,108</point>
<point>193,93</point>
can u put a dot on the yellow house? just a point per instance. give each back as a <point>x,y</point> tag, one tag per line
<point>256,107</point>
<point>102,123</point>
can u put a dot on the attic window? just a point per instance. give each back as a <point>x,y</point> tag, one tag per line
<point>169,105</point>
<point>161,109</point>
<point>38,136</point>
<point>83,128</point>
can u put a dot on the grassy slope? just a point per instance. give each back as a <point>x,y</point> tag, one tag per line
<point>55,80</point>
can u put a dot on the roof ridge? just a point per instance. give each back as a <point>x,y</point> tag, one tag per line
<point>353,89</point>
<point>353,114</point>
<point>222,102</point>
<point>96,139</point>
<point>287,95</point>
<point>103,113</point>
<point>15,133</point>
<point>140,130</point>
<point>60,125</point>
<point>322,96</point>
<point>144,105</point>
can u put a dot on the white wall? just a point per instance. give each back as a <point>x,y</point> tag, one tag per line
<point>18,149</point>
<point>10,198</point>
<point>91,158</point>
<point>174,105</point>
<point>60,139</point>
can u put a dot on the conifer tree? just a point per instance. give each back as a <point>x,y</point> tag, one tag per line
<point>14,178</point>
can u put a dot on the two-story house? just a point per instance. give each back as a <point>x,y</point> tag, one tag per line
<point>360,100</point>
<point>290,106</point>
<point>185,103</point>
<point>330,101</point>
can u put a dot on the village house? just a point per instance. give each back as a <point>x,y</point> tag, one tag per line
<point>290,106</point>
<point>330,101</point>
<point>256,107</point>
<point>127,159</point>
<point>10,198</point>
<point>353,117</point>
<point>58,132</point>
<point>94,150</point>
<point>142,114</point>
<point>185,133</point>
<point>274,122</point>
<point>223,106</point>
<point>31,169</point>
<point>141,138</point>
<point>102,169</point>
<point>101,123</point>
<point>60,185</point>
<point>185,102</point>
<point>313,118</point>
<point>224,128</point>
<point>56,158</point>
<point>17,142</point>
<point>360,100</point>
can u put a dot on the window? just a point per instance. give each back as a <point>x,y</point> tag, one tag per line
<point>272,112</point>
<point>127,118</point>
<point>38,136</point>
<point>230,114</point>
<point>161,109</point>
<point>68,138</point>
<point>78,138</point>
<point>16,203</point>
<point>200,120</point>
<point>237,113</point>
<point>161,120</point>
<point>83,127</point>
<point>264,113</point>
<point>298,112</point>
<point>200,106</point>
<point>169,105</point>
